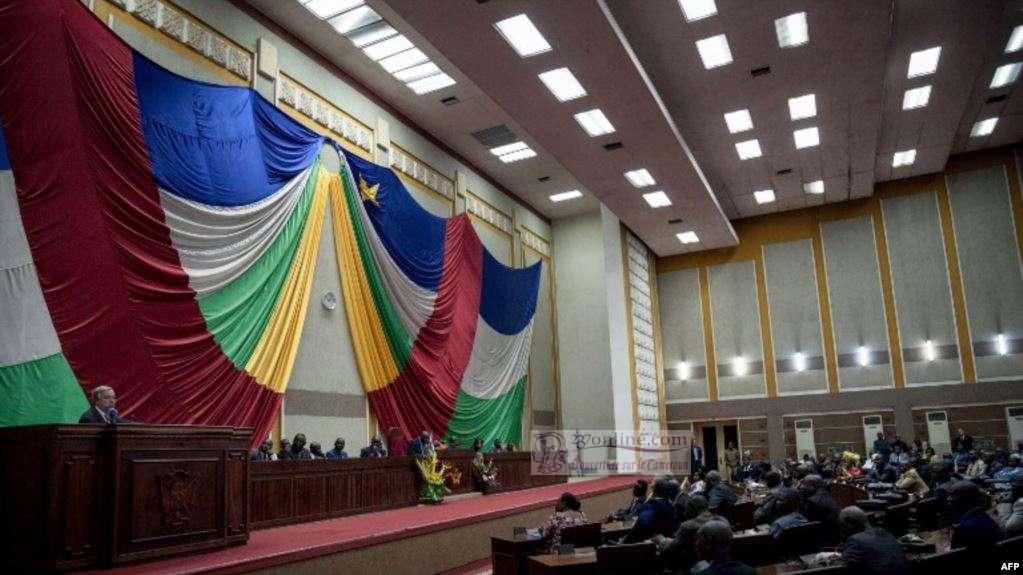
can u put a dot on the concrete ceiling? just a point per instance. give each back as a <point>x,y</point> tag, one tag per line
<point>638,62</point>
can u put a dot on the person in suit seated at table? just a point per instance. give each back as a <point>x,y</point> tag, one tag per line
<point>869,550</point>
<point>817,504</point>
<point>298,449</point>
<point>714,546</point>
<point>656,516</point>
<point>975,529</point>
<point>767,511</point>
<point>316,451</point>
<point>498,448</point>
<point>339,450</point>
<point>639,491</point>
<point>264,453</point>
<point>789,515</point>
<point>720,497</point>
<point>679,553</point>
<point>374,449</point>
<point>102,410</point>
<point>285,452</point>
<point>1010,513</point>
<point>567,513</point>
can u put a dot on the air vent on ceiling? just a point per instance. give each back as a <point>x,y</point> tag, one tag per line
<point>784,172</point>
<point>613,146</point>
<point>761,71</point>
<point>996,99</point>
<point>675,221</point>
<point>544,178</point>
<point>450,101</point>
<point>496,136</point>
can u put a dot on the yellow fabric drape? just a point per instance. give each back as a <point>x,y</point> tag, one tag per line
<point>274,357</point>
<point>372,353</point>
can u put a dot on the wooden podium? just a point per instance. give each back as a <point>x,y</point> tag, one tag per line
<point>94,495</point>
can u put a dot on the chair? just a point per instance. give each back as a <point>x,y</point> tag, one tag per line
<point>585,535</point>
<point>928,514</point>
<point>897,518</point>
<point>755,550</point>
<point>950,562</point>
<point>631,558</point>
<point>742,516</point>
<point>1012,547</point>
<point>800,540</point>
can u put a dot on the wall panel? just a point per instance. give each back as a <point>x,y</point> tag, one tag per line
<point>736,324</point>
<point>682,335</point>
<point>542,367</point>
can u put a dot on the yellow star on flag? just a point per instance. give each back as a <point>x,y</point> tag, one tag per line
<point>368,193</point>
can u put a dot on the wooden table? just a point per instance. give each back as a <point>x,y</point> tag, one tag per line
<point>615,529</point>
<point>584,560</point>
<point>509,555</point>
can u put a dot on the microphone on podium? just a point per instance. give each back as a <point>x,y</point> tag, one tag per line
<point>112,415</point>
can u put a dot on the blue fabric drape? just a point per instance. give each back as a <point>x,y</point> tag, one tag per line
<point>508,297</point>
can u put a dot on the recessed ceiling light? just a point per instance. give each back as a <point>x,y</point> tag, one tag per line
<point>803,107</point>
<point>562,84</point>
<point>594,122</point>
<point>508,148</point>
<point>523,36</point>
<point>807,137</point>
<point>327,8</point>
<point>763,196</point>
<point>984,127</point>
<point>569,195</point>
<point>640,178</point>
<point>657,199</point>
<point>1005,75</point>
<point>923,62</point>
<point>714,51</point>
<point>519,155</point>
<point>388,47</point>
<point>687,237</point>
<point>695,10</point>
<point>1015,40</point>
<point>815,187</point>
<point>738,121</point>
<point>916,97</point>
<point>431,83</point>
<point>903,158</point>
<point>748,149</point>
<point>403,60</point>
<point>354,19</point>
<point>417,72</point>
<point>373,33</point>
<point>792,30</point>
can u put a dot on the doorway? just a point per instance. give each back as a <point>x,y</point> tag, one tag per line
<point>710,447</point>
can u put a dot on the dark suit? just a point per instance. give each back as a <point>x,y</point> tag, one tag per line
<point>768,511</point>
<point>696,455</point>
<point>92,415</point>
<point>656,516</point>
<point>874,550</point>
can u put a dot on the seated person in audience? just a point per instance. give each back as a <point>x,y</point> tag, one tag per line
<point>975,528</point>
<point>264,453</point>
<point>1010,513</point>
<point>817,504</point>
<point>102,410</point>
<point>639,491</point>
<point>657,515</point>
<point>788,514</point>
<point>720,497</point>
<point>911,482</point>
<point>930,456</point>
<point>285,452</point>
<point>339,450</point>
<point>680,552</point>
<point>696,483</point>
<point>882,472</point>
<point>767,511</point>
<point>397,445</point>
<point>497,447</point>
<point>897,456</point>
<point>881,446</point>
<point>374,449</point>
<point>298,449</point>
<point>976,468</point>
<point>1011,471</point>
<point>421,445</point>
<point>316,451</point>
<point>567,512</point>
<point>714,546</point>
<point>869,550</point>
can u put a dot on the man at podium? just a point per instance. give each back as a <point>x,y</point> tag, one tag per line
<point>102,411</point>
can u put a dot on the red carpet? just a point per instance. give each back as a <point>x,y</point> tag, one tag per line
<point>277,546</point>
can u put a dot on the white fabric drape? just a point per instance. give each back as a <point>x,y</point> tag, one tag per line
<point>497,361</point>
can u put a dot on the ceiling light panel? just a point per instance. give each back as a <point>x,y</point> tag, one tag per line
<point>403,60</point>
<point>523,36</point>
<point>569,195</point>
<point>815,187</point>
<point>326,8</point>
<point>354,19</point>
<point>792,30</point>
<point>714,51</point>
<point>916,98</point>
<point>416,72</point>
<point>1015,40</point>
<point>431,84</point>
<point>738,121</point>
<point>687,237</point>
<point>388,47</point>
<point>375,32</point>
<point>803,107</point>
<point>923,62</point>
<point>694,10</point>
<point>640,178</point>
<point>984,127</point>
<point>657,199</point>
<point>807,137</point>
<point>1005,75</point>
<point>748,149</point>
<point>594,122</point>
<point>519,155</point>
<point>903,158</point>
<point>763,196</point>
<point>562,83</point>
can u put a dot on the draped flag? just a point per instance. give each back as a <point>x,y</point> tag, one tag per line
<point>162,236</point>
<point>441,329</point>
